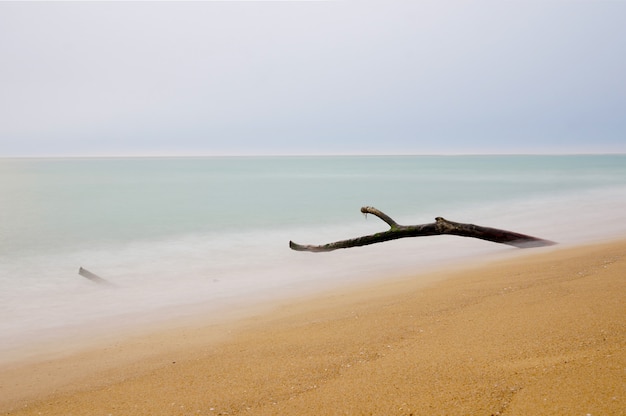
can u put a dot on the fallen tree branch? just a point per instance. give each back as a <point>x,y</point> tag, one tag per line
<point>93,277</point>
<point>439,227</point>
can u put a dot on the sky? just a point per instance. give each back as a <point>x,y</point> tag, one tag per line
<point>312,77</point>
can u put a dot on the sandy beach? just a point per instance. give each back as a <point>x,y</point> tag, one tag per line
<point>542,333</point>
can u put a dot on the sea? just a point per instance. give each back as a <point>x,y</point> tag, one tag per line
<point>174,237</point>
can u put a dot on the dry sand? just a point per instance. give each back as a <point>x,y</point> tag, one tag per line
<point>539,334</point>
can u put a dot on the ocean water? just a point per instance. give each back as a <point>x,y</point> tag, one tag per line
<point>175,235</point>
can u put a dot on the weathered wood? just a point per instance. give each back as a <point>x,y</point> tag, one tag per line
<point>93,277</point>
<point>439,227</point>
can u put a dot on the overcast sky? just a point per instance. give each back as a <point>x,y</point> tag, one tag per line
<point>346,77</point>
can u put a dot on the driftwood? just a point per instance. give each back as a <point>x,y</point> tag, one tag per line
<point>439,227</point>
<point>93,277</point>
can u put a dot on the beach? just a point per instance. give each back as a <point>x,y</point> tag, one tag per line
<point>542,332</point>
<point>171,172</point>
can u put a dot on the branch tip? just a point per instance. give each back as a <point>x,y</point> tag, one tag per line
<point>381,215</point>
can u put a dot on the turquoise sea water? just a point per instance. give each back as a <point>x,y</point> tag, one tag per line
<point>174,232</point>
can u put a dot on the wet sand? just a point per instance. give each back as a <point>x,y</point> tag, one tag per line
<point>543,333</point>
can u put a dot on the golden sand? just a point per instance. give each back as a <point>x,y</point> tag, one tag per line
<point>539,334</point>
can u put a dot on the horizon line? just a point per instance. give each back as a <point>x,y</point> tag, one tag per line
<point>339,154</point>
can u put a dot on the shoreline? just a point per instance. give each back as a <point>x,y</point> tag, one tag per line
<point>537,333</point>
<point>58,342</point>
